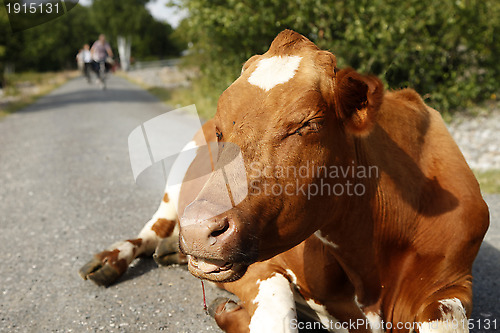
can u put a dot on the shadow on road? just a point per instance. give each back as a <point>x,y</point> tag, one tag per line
<point>138,268</point>
<point>88,96</point>
<point>486,272</point>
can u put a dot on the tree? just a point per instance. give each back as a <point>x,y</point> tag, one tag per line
<point>54,45</point>
<point>121,20</point>
<point>154,41</point>
<point>10,45</point>
<point>445,50</point>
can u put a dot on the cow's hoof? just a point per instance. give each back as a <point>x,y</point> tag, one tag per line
<point>167,252</point>
<point>222,304</point>
<point>100,271</point>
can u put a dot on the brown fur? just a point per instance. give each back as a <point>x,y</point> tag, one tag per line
<point>136,242</point>
<point>163,227</point>
<point>111,258</point>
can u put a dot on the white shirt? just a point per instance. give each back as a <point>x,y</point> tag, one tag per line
<point>86,57</point>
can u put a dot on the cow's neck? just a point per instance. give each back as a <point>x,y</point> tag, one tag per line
<point>350,234</point>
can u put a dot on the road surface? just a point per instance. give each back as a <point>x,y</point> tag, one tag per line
<point>67,191</point>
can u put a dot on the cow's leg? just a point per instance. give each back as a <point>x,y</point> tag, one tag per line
<point>107,266</point>
<point>230,316</point>
<point>446,312</point>
<point>266,303</point>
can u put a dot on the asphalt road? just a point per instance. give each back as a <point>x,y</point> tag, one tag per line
<point>67,191</point>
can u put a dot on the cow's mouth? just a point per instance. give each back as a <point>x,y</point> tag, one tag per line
<point>215,270</point>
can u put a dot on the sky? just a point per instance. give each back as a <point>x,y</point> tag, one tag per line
<point>159,10</point>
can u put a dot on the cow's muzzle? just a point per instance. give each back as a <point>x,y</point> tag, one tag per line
<point>213,243</point>
<point>216,270</point>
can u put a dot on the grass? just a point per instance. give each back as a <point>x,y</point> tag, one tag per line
<point>199,94</point>
<point>489,181</point>
<point>206,102</point>
<point>23,89</point>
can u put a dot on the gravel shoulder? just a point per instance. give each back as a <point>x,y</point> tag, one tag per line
<point>478,137</point>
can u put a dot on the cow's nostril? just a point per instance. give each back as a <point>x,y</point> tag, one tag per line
<point>222,230</point>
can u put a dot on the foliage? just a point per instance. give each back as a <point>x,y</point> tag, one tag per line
<point>150,38</point>
<point>202,94</point>
<point>445,50</point>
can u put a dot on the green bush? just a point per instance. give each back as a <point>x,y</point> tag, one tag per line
<point>445,50</point>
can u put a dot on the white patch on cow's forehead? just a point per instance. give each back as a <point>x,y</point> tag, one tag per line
<point>275,306</point>
<point>273,71</point>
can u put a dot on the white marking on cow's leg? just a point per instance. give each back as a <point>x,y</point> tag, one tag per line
<point>127,251</point>
<point>328,321</point>
<point>374,322</point>
<point>453,320</point>
<point>316,311</point>
<point>275,306</point>
<point>108,265</point>
<point>360,306</point>
<point>148,238</point>
<point>167,210</point>
<point>273,71</point>
<point>292,276</point>
<point>324,240</point>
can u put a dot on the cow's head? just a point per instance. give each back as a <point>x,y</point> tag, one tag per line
<point>291,109</point>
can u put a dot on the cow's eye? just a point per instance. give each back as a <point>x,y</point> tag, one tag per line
<point>310,126</point>
<point>218,134</point>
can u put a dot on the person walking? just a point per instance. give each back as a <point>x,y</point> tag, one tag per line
<point>84,60</point>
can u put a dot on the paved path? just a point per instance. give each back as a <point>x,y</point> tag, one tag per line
<point>66,191</point>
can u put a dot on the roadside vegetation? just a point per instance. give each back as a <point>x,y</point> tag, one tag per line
<point>489,181</point>
<point>25,88</point>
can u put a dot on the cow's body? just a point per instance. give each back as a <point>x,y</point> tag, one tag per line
<point>401,253</point>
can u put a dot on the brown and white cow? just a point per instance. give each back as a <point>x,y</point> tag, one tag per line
<point>397,250</point>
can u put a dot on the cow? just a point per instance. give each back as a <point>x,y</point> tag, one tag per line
<point>388,248</point>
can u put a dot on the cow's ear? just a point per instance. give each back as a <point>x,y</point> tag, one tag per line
<point>357,100</point>
<point>250,61</point>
